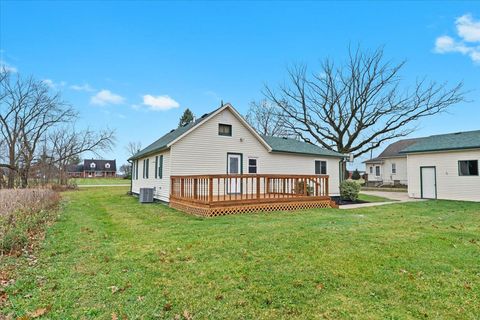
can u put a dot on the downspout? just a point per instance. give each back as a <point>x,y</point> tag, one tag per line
<point>131,176</point>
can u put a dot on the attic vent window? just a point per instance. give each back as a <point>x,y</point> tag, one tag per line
<point>92,165</point>
<point>224,129</point>
<point>107,165</point>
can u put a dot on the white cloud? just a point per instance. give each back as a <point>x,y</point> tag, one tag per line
<point>159,103</point>
<point>105,97</point>
<point>7,67</point>
<point>54,85</point>
<point>82,87</point>
<point>468,44</point>
<point>468,29</point>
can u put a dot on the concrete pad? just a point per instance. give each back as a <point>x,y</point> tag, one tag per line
<point>397,196</point>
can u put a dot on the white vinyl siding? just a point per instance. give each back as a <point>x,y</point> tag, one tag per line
<point>391,170</point>
<point>450,185</point>
<point>161,185</point>
<point>203,151</point>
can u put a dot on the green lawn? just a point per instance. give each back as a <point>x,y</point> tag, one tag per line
<point>109,256</point>
<point>371,198</point>
<point>99,181</point>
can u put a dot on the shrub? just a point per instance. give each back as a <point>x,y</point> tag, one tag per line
<point>356,175</point>
<point>349,190</point>
<point>23,214</point>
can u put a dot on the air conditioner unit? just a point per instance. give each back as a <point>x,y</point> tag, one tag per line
<point>146,195</point>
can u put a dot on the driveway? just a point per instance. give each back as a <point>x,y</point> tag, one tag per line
<point>396,196</point>
<point>102,185</point>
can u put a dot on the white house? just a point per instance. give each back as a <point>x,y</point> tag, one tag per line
<point>223,143</point>
<point>390,167</point>
<point>445,167</point>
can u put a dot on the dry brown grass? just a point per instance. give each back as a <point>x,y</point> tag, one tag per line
<point>30,200</point>
<point>23,215</point>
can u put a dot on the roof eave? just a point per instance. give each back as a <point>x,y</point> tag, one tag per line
<point>135,157</point>
<point>311,154</point>
<point>440,150</point>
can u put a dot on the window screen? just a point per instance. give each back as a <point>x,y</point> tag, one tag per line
<point>224,129</point>
<point>320,167</point>
<point>468,168</point>
<point>252,165</point>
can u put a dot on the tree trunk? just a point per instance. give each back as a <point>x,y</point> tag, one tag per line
<point>24,177</point>
<point>11,172</point>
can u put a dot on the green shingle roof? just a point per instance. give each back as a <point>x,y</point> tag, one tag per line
<point>451,141</point>
<point>277,144</point>
<point>295,146</point>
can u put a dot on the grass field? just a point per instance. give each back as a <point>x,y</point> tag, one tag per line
<point>99,181</point>
<point>109,257</point>
<point>372,198</point>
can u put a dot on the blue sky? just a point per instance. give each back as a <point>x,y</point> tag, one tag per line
<point>135,66</point>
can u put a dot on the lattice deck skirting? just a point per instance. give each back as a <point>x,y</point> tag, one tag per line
<point>208,211</point>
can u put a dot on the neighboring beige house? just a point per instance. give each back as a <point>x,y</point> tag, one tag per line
<point>445,167</point>
<point>222,142</point>
<point>390,167</point>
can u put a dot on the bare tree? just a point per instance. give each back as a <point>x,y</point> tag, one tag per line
<point>265,118</point>
<point>356,107</point>
<point>133,147</point>
<point>66,143</point>
<point>27,111</point>
<point>126,169</point>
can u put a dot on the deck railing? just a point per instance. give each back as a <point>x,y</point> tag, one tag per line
<point>251,188</point>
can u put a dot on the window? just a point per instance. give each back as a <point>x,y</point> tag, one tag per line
<point>468,168</point>
<point>252,165</point>
<point>394,168</point>
<point>92,165</point>
<point>320,167</point>
<point>107,165</point>
<point>371,169</point>
<point>145,168</point>
<point>224,129</point>
<point>377,171</point>
<point>136,169</point>
<point>160,167</point>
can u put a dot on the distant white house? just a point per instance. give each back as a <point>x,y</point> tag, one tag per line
<point>442,166</point>
<point>223,143</point>
<point>390,167</point>
<point>445,167</point>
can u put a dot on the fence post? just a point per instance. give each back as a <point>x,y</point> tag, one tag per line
<point>258,187</point>
<point>326,186</point>
<point>210,190</point>
<point>195,188</point>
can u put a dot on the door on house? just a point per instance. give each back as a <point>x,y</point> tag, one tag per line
<point>234,166</point>
<point>428,182</point>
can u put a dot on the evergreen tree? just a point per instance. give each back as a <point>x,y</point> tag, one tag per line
<point>186,118</point>
<point>356,175</point>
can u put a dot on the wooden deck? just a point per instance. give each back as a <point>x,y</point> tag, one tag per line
<point>215,195</point>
